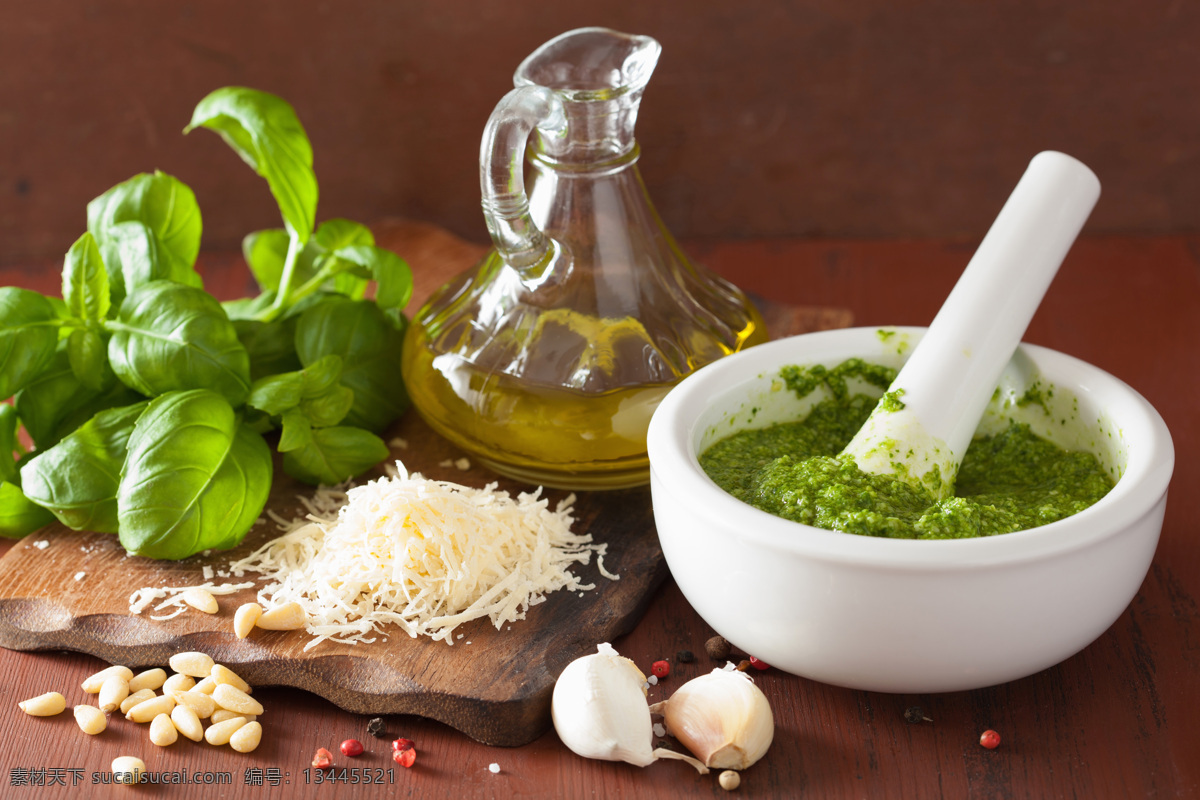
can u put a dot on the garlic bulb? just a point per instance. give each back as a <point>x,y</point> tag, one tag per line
<point>722,717</point>
<point>600,711</point>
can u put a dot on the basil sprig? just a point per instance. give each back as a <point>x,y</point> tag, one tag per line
<point>147,400</point>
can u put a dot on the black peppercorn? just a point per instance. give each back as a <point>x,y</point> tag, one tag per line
<point>375,727</point>
<point>915,714</point>
<point>685,656</point>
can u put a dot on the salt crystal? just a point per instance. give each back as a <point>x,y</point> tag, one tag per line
<point>208,572</point>
<point>399,443</point>
<point>494,768</point>
<point>463,464</point>
<point>79,575</point>
<point>652,680</point>
<point>659,730</point>
<point>41,544</point>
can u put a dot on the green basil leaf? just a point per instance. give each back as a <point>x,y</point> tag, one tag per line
<point>297,431</point>
<point>78,478</point>
<point>333,455</point>
<point>56,403</point>
<point>20,516</point>
<point>369,345</point>
<point>85,281</point>
<point>270,345</point>
<point>28,337</point>
<point>328,408</point>
<point>195,477</point>
<point>8,443</point>
<point>276,394</point>
<point>321,375</point>
<point>168,210</point>
<point>265,253</point>
<point>264,130</point>
<point>168,336</point>
<point>393,278</point>
<point>133,256</point>
<point>87,350</point>
<point>336,233</point>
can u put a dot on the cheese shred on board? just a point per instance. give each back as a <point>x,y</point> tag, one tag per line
<point>421,554</point>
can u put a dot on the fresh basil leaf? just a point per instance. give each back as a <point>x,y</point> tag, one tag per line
<point>270,345</point>
<point>168,336</point>
<point>276,394</point>
<point>87,350</point>
<point>333,455</point>
<point>78,478</point>
<point>393,278</point>
<point>321,375</point>
<point>85,281</point>
<point>56,403</point>
<point>20,516</point>
<point>264,130</point>
<point>8,443</point>
<point>265,253</point>
<point>329,407</point>
<point>168,210</point>
<point>369,345</point>
<point>195,477</point>
<point>297,431</point>
<point>336,233</point>
<point>133,256</point>
<point>28,337</point>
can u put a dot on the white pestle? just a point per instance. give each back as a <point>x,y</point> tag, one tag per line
<point>953,371</point>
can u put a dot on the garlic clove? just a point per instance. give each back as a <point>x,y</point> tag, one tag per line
<point>599,710</point>
<point>722,718</point>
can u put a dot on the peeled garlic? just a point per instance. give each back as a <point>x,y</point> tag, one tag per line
<point>600,711</point>
<point>722,717</point>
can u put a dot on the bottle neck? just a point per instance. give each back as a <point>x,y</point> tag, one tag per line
<point>599,134</point>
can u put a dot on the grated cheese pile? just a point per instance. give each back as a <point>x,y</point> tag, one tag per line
<point>421,554</point>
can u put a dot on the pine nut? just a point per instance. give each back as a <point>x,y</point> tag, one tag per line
<point>222,714</point>
<point>163,731</point>
<point>287,617</point>
<point>44,705</point>
<point>92,683</point>
<point>235,699</point>
<point>135,698</point>
<point>220,733</point>
<point>201,600</point>
<point>223,674</point>
<point>112,692</point>
<point>204,705</point>
<point>198,665</point>
<point>149,709</point>
<point>90,719</point>
<point>150,679</point>
<point>178,683</point>
<point>205,686</point>
<point>247,737</point>
<point>128,769</point>
<point>244,619</point>
<point>187,722</point>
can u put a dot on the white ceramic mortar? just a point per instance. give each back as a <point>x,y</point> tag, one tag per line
<point>905,615</point>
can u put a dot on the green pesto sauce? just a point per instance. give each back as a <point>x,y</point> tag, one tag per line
<point>1011,481</point>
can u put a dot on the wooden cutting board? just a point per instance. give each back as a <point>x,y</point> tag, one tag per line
<point>62,589</point>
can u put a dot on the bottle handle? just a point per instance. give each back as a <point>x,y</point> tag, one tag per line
<point>502,171</point>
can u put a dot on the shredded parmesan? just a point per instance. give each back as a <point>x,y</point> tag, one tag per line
<point>424,555</point>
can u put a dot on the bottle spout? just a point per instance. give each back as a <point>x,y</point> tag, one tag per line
<point>591,64</point>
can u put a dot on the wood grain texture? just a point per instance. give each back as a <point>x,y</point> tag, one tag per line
<point>829,118</point>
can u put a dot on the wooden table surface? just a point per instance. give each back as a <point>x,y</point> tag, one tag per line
<point>1120,719</point>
